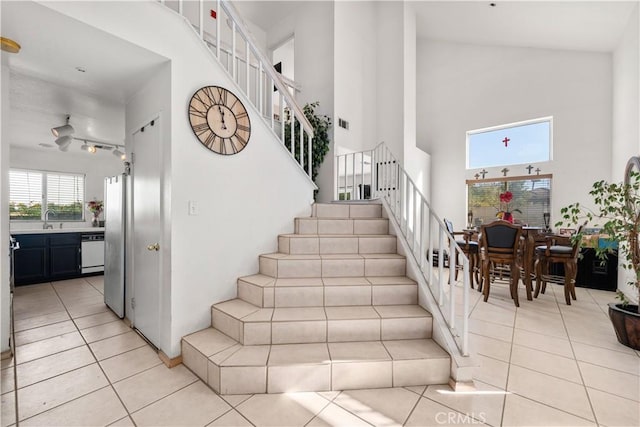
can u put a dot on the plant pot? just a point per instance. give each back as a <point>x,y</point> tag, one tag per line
<point>626,323</point>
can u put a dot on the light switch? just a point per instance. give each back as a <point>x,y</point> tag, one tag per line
<point>193,208</point>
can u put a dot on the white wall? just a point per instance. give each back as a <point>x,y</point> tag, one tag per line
<point>390,39</point>
<point>4,207</point>
<point>312,26</point>
<point>626,114</point>
<point>245,200</point>
<point>355,53</point>
<point>463,87</point>
<point>96,168</point>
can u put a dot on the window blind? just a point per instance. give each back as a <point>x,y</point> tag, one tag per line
<point>531,196</point>
<point>31,193</point>
<point>65,194</point>
<point>25,195</point>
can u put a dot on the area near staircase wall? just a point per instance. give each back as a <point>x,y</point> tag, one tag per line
<point>4,206</point>
<point>626,113</point>
<point>312,26</point>
<point>244,200</point>
<point>462,87</point>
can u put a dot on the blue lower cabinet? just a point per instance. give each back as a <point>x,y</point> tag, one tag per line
<point>46,257</point>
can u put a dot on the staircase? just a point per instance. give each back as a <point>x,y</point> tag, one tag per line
<point>331,310</point>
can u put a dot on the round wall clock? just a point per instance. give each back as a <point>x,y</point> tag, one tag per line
<point>219,120</point>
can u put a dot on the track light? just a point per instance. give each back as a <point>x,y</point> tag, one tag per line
<point>63,142</point>
<point>64,130</point>
<point>120,154</point>
<point>86,147</point>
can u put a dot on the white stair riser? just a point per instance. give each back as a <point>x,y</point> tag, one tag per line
<point>328,296</point>
<point>292,378</point>
<point>345,267</point>
<point>327,376</point>
<point>308,245</point>
<point>420,371</point>
<point>317,331</point>
<point>335,210</point>
<point>320,226</point>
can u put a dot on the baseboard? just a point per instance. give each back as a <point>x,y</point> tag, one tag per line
<point>170,363</point>
<point>6,355</point>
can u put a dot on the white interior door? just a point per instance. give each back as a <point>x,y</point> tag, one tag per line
<point>146,231</point>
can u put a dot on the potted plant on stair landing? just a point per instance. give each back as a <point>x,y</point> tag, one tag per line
<point>618,205</point>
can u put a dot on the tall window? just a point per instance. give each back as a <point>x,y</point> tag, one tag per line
<point>531,199</point>
<point>32,192</point>
<point>511,144</point>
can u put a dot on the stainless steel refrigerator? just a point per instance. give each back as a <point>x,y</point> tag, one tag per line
<point>115,196</point>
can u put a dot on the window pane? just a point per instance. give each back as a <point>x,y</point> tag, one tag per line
<point>531,198</point>
<point>528,143</point>
<point>25,195</point>
<point>65,196</point>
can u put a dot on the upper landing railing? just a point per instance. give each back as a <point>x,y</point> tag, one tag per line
<point>219,25</point>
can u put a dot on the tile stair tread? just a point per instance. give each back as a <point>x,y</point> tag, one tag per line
<point>281,256</point>
<point>318,353</point>
<point>336,236</point>
<point>321,313</point>
<point>259,280</point>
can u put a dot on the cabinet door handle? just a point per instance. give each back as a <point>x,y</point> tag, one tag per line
<point>154,247</point>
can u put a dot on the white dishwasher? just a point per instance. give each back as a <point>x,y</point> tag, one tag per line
<point>92,252</point>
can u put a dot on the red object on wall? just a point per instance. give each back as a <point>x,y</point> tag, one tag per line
<point>213,14</point>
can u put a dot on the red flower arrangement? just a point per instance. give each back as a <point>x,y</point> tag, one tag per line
<point>505,214</point>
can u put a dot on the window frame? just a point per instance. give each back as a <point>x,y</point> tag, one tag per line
<point>508,126</point>
<point>44,196</point>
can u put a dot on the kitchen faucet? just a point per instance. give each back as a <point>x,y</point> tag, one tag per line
<point>46,224</point>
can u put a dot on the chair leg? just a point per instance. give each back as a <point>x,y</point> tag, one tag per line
<point>515,278</point>
<point>545,272</point>
<point>538,270</point>
<point>487,282</point>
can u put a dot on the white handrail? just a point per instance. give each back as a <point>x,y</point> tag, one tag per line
<point>258,89</point>
<point>424,232</point>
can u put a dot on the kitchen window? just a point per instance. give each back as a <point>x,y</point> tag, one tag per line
<point>32,192</point>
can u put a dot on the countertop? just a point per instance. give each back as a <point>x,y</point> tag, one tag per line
<point>58,230</point>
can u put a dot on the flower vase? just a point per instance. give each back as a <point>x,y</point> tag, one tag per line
<point>95,221</point>
<point>507,217</point>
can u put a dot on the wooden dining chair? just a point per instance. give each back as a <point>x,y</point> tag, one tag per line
<point>469,248</point>
<point>558,249</point>
<point>501,243</point>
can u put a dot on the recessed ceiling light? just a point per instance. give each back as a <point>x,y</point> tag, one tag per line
<point>42,144</point>
<point>80,69</point>
<point>492,4</point>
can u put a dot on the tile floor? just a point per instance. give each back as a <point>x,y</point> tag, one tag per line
<point>544,364</point>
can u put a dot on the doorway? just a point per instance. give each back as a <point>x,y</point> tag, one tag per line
<point>147,248</point>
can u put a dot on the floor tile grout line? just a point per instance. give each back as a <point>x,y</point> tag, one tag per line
<point>575,358</point>
<point>408,417</point>
<point>506,385</point>
<point>99,365</point>
<point>553,407</point>
<point>195,380</point>
<point>231,409</point>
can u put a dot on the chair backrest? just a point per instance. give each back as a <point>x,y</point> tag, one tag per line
<point>501,237</point>
<point>576,244</point>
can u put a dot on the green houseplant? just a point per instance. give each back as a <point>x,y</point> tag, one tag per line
<point>321,125</point>
<point>618,213</point>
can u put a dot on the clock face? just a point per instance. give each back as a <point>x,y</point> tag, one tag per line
<point>219,120</point>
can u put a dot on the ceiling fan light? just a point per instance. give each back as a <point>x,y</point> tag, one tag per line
<point>119,154</point>
<point>64,130</point>
<point>63,142</point>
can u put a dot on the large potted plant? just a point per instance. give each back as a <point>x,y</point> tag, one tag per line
<point>618,213</point>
